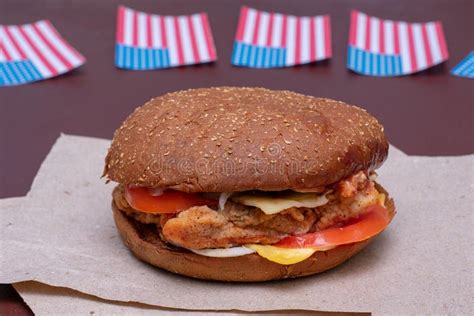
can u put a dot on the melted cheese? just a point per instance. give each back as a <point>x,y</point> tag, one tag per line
<point>281,255</point>
<point>272,204</point>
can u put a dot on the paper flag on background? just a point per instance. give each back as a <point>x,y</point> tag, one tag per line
<point>148,41</point>
<point>267,40</point>
<point>393,48</point>
<point>33,52</point>
<point>465,68</point>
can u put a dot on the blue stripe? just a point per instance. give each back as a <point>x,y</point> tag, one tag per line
<point>18,72</point>
<point>246,55</point>
<point>465,68</point>
<point>160,59</point>
<point>236,52</point>
<point>10,78</point>
<point>5,80</point>
<point>136,58</point>
<point>25,71</point>
<point>373,64</point>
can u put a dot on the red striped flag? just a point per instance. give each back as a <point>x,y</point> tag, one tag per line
<point>266,39</point>
<point>148,41</point>
<point>391,48</point>
<point>34,52</point>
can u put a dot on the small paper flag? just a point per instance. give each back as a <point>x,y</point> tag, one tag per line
<point>393,48</point>
<point>33,52</point>
<point>465,68</point>
<point>268,40</point>
<point>148,41</point>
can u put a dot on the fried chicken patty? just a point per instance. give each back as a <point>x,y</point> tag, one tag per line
<point>202,227</point>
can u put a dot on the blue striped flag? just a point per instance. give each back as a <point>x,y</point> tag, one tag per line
<point>393,48</point>
<point>267,40</point>
<point>147,41</point>
<point>465,68</point>
<point>33,52</point>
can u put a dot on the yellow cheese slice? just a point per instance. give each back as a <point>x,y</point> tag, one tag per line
<point>271,203</point>
<point>281,255</point>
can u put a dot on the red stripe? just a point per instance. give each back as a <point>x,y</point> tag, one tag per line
<point>241,27</point>
<point>179,44</point>
<point>312,41</point>
<point>256,28</point>
<point>396,38</point>
<point>192,34</point>
<point>429,57</point>
<point>17,47</point>
<point>353,28</point>
<point>164,39</point>
<point>2,51</point>
<point>327,36</point>
<point>55,51</point>
<point>71,49</point>
<point>298,41</point>
<point>381,37</point>
<point>209,40</point>
<point>283,31</point>
<point>411,46</point>
<point>38,53</point>
<point>270,30</point>
<point>367,33</point>
<point>120,18</point>
<point>7,54</point>
<point>441,40</point>
<point>149,40</point>
<point>135,28</point>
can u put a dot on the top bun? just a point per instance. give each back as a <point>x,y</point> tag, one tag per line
<point>231,139</point>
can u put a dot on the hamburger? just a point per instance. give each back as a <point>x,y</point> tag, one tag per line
<point>247,184</point>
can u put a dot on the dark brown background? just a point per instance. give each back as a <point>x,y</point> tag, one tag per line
<point>426,114</point>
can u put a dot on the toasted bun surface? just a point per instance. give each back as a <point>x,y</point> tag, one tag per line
<point>237,139</point>
<point>146,244</point>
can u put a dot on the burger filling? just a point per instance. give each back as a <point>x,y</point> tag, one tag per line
<point>261,221</point>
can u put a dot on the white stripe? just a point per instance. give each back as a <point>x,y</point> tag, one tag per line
<point>263,29</point>
<point>433,42</point>
<point>320,37</point>
<point>29,52</point>
<point>128,26</point>
<point>2,54</point>
<point>360,30</point>
<point>420,54</point>
<point>200,37</point>
<point>185,40</point>
<point>277,29</point>
<point>305,39</point>
<point>44,50</point>
<point>8,45</point>
<point>404,47</point>
<point>249,26</point>
<point>65,51</point>
<point>290,40</point>
<point>156,32</point>
<point>171,37</point>
<point>389,37</point>
<point>142,31</point>
<point>374,35</point>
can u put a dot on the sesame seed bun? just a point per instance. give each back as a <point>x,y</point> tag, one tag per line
<point>236,139</point>
<point>145,243</point>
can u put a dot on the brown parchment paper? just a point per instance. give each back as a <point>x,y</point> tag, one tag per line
<point>44,299</point>
<point>62,234</point>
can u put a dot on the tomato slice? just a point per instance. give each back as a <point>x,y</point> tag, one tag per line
<point>367,225</point>
<point>170,201</point>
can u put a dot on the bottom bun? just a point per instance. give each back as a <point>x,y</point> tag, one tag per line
<point>146,244</point>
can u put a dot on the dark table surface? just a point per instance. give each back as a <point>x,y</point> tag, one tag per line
<point>430,113</point>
